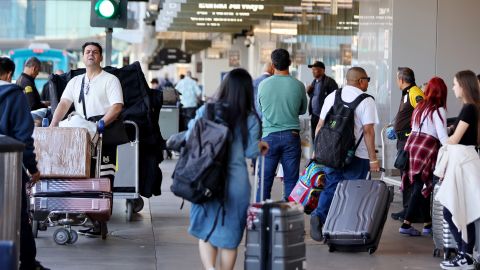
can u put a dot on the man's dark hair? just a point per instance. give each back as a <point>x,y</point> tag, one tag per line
<point>280,59</point>
<point>93,44</point>
<point>6,66</point>
<point>33,62</point>
<point>406,74</point>
<point>154,81</point>
<point>478,77</point>
<point>182,76</point>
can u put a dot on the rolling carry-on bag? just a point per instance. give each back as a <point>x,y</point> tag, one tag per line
<point>275,235</point>
<point>442,237</point>
<point>357,215</point>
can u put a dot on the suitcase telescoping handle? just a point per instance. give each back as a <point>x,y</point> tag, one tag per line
<point>382,174</point>
<point>259,182</point>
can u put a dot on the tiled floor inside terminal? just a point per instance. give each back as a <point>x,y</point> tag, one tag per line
<point>157,238</point>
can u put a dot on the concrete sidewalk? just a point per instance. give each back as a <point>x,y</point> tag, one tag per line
<point>157,238</point>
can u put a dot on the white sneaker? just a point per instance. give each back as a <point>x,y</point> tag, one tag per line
<point>461,262</point>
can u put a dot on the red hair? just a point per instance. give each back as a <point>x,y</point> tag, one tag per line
<point>435,98</point>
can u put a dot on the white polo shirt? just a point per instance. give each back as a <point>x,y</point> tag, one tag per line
<point>365,113</point>
<point>103,91</point>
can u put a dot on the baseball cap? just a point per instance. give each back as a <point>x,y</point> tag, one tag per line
<point>317,64</point>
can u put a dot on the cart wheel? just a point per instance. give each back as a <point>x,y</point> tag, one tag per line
<point>371,250</point>
<point>35,228</point>
<point>103,230</point>
<point>331,249</point>
<point>138,204</point>
<point>61,236</point>
<point>73,237</point>
<point>436,252</point>
<point>129,210</point>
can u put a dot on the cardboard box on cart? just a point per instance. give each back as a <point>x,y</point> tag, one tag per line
<point>63,152</point>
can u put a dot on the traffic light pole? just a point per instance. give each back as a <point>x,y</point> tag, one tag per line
<point>108,46</point>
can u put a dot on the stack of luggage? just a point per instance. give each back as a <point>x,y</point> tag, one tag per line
<point>67,195</point>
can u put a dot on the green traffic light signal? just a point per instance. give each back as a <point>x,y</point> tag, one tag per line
<point>107,9</point>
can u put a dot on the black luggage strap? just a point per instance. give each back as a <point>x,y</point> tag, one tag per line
<point>81,98</point>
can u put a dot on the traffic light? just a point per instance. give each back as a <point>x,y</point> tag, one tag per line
<point>108,13</point>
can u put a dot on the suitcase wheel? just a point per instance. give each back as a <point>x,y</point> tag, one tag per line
<point>371,250</point>
<point>61,236</point>
<point>449,253</point>
<point>436,252</point>
<point>138,204</point>
<point>331,249</point>
<point>35,228</point>
<point>103,230</point>
<point>73,237</point>
<point>129,209</point>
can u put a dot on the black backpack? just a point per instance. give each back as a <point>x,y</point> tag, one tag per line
<point>335,143</point>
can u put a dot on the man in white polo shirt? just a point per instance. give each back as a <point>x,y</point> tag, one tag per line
<point>102,96</point>
<point>365,158</point>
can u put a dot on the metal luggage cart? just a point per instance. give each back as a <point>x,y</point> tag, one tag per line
<point>126,184</point>
<point>41,220</point>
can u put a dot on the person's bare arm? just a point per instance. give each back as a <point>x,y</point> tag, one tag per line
<point>458,133</point>
<point>60,111</point>
<point>112,113</point>
<point>369,137</point>
<point>319,126</point>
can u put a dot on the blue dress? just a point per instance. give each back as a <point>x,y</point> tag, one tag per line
<point>202,216</point>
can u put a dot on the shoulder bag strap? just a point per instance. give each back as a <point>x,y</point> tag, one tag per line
<point>81,98</point>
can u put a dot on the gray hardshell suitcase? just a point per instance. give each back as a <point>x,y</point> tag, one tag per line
<point>357,215</point>
<point>275,237</point>
<point>442,237</point>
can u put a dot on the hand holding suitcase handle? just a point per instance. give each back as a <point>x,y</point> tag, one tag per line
<point>382,175</point>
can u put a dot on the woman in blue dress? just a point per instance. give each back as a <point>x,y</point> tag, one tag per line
<point>237,91</point>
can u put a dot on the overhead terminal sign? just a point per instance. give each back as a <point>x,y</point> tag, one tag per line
<point>168,56</point>
<point>250,7</point>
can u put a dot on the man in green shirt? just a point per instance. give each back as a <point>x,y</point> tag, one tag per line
<point>281,99</point>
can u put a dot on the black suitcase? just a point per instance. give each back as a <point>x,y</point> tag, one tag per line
<point>275,235</point>
<point>357,215</point>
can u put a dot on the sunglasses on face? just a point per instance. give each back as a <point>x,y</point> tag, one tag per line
<point>365,78</point>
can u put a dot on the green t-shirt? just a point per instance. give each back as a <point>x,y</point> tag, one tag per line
<point>282,99</point>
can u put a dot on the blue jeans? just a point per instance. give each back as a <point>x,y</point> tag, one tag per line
<point>284,147</point>
<point>356,170</point>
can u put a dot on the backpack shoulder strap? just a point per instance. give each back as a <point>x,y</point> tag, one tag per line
<point>338,96</point>
<point>358,100</point>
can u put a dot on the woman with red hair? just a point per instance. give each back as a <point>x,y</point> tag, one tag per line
<point>429,131</point>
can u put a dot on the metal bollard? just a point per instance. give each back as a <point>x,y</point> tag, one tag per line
<point>11,152</point>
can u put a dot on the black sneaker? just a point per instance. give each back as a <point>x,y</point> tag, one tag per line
<point>461,262</point>
<point>85,231</point>
<point>37,266</point>
<point>90,232</point>
<point>398,216</point>
<point>316,228</point>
